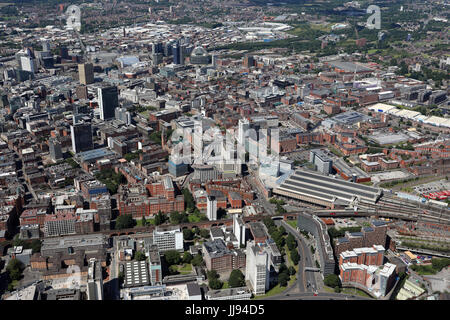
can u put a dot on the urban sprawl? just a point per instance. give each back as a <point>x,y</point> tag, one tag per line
<point>224,150</point>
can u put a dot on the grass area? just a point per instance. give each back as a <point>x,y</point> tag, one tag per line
<point>425,270</point>
<point>277,289</point>
<point>367,183</point>
<point>288,255</point>
<point>225,285</point>
<point>292,223</point>
<point>354,291</point>
<point>194,218</point>
<point>145,113</point>
<point>350,291</point>
<point>185,268</point>
<point>139,222</point>
<point>328,289</point>
<point>15,283</point>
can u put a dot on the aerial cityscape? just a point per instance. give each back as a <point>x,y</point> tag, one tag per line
<point>224,150</point>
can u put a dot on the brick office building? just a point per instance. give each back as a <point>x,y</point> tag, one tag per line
<point>371,256</point>
<point>369,236</point>
<point>219,257</point>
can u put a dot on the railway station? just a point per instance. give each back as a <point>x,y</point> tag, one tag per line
<point>325,190</point>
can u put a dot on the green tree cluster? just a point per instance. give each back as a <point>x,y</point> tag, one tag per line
<point>188,234</point>
<point>35,244</point>
<point>213,280</point>
<point>172,257</point>
<point>125,221</point>
<point>187,257</point>
<point>160,218</point>
<point>111,179</point>
<point>283,275</point>
<point>177,217</point>
<point>277,234</point>
<point>140,256</point>
<point>332,281</point>
<point>291,242</point>
<point>188,200</point>
<point>197,261</point>
<point>236,279</point>
<point>14,270</point>
<point>204,233</point>
<point>295,257</point>
<point>439,264</point>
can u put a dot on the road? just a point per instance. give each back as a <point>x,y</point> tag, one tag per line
<point>113,283</point>
<point>260,198</point>
<point>306,281</point>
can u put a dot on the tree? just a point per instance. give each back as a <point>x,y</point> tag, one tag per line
<point>187,257</point>
<point>172,257</point>
<point>173,270</point>
<point>125,221</point>
<point>144,221</point>
<point>188,234</point>
<point>215,284</point>
<point>160,218</point>
<point>140,256</point>
<point>292,270</point>
<point>282,268</point>
<point>204,233</point>
<point>212,274</point>
<point>15,268</point>
<point>290,242</point>
<point>283,279</point>
<point>17,242</point>
<point>175,217</point>
<point>332,281</point>
<point>121,277</point>
<point>337,289</point>
<point>188,199</point>
<point>197,261</point>
<point>268,222</point>
<point>36,245</point>
<point>236,279</point>
<point>295,256</point>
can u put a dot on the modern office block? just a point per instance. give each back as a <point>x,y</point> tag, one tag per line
<point>86,73</point>
<point>81,134</point>
<point>108,101</point>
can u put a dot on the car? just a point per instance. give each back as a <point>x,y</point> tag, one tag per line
<point>333,213</point>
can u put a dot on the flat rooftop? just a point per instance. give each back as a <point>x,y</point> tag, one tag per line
<point>136,274</point>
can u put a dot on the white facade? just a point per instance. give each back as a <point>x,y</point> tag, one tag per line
<point>211,208</point>
<point>27,64</point>
<point>239,229</point>
<point>168,240</point>
<point>257,269</point>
